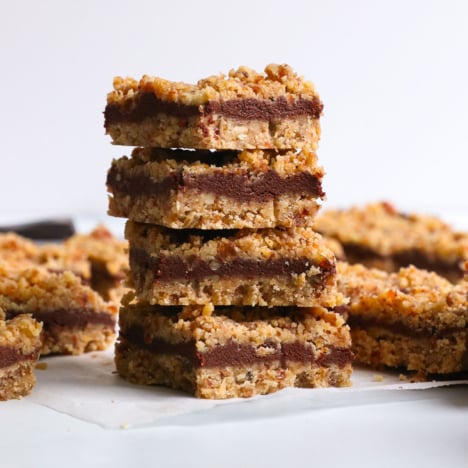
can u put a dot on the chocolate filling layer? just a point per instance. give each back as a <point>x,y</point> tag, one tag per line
<point>71,318</point>
<point>148,105</point>
<point>357,253</point>
<point>238,354</point>
<point>172,268</point>
<point>10,355</point>
<point>242,187</point>
<point>401,328</point>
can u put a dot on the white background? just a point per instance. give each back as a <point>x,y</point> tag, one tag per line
<point>393,77</point>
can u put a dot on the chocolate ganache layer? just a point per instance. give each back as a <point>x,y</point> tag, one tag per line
<point>400,328</point>
<point>71,318</point>
<point>242,186</point>
<point>233,353</point>
<point>173,268</point>
<point>356,253</point>
<point>147,105</point>
<point>10,355</point>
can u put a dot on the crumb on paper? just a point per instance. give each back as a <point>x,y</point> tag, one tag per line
<point>403,377</point>
<point>377,378</point>
<point>41,366</point>
<point>124,425</point>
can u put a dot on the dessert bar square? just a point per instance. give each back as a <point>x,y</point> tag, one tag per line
<point>271,267</point>
<point>411,319</point>
<point>379,236</point>
<point>20,344</point>
<point>75,318</point>
<point>246,109</point>
<point>227,352</point>
<point>204,189</point>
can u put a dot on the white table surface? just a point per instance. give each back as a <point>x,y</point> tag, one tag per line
<point>427,428</point>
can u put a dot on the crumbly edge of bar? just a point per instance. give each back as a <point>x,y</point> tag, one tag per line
<point>100,247</point>
<point>264,244</point>
<point>158,162</point>
<point>217,132</point>
<point>277,81</point>
<point>381,228</point>
<point>425,355</point>
<point>15,248</point>
<point>36,288</point>
<point>190,209</point>
<point>58,339</point>
<point>17,380</point>
<point>142,367</point>
<point>97,253</point>
<point>413,297</point>
<point>210,326</point>
<point>21,332</point>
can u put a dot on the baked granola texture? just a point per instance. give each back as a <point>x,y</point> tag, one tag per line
<point>20,344</point>
<point>378,235</point>
<point>203,189</point>
<point>75,318</point>
<point>245,109</point>
<point>269,267</point>
<point>411,319</point>
<point>227,352</point>
<point>98,258</point>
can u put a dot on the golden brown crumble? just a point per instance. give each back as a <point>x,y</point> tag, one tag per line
<point>381,228</point>
<point>418,298</point>
<point>278,80</point>
<point>21,332</point>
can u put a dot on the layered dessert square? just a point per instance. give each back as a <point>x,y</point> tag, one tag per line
<point>246,109</point>
<point>204,189</point>
<point>20,345</point>
<point>267,267</point>
<point>412,319</point>
<point>75,318</point>
<point>378,235</point>
<point>226,352</point>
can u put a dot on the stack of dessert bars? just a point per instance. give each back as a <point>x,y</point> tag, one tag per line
<point>233,291</point>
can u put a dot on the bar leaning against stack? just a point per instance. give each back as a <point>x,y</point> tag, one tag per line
<point>232,287</point>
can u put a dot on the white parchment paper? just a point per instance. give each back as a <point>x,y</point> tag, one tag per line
<point>87,387</point>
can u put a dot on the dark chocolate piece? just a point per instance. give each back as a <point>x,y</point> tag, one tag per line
<point>54,229</point>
